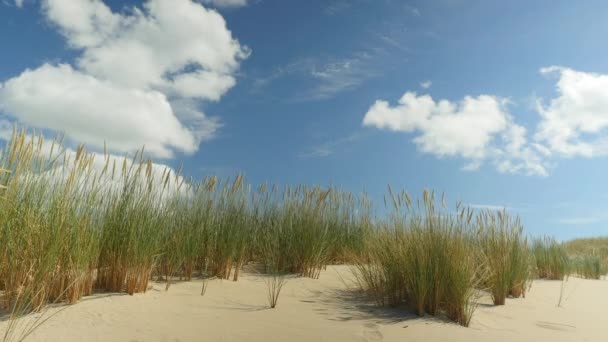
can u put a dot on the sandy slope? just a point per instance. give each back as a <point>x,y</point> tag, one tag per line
<point>321,310</point>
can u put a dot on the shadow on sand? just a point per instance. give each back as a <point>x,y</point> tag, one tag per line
<point>349,304</point>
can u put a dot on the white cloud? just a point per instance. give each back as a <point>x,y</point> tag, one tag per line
<point>171,44</point>
<point>91,110</point>
<point>138,79</point>
<point>105,170</point>
<point>84,23</point>
<point>226,3</point>
<point>516,155</point>
<point>574,123</point>
<point>426,84</point>
<point>445,128</point>
<point>476,129</point>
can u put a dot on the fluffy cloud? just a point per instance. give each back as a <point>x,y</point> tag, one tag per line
<point>84,23</point>
<point>138,78</point>
<point>445,128</point>
<point>574,122</point>
<point>94,111</point>
<point>103,169</point>
<point>476,129</point>
<point>171,45</point>
<point>515,154</point>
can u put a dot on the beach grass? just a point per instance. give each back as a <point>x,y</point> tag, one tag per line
<point>551,258</point>
<point>589,256</point>
<point>423,258</point>
<point>505,253</point>
<point>74,221</point>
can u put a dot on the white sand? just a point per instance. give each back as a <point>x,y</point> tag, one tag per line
<point>321,310</point>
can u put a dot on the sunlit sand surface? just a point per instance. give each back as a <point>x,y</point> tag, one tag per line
<point>327,309</point>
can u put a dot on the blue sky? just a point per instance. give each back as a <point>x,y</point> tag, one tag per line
<point>502,103</point>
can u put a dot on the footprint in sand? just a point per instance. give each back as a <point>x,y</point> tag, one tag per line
<point>371,333</point>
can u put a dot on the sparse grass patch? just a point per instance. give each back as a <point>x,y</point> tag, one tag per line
<point>274,284</point>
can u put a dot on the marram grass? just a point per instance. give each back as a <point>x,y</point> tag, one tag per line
<point>589,256</point>
<point>506,254</point>
<point>551,258</point>
<point>74,222</point>
<point>423,258</point>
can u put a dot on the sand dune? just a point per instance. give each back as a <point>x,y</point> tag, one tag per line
<point>320,310</point>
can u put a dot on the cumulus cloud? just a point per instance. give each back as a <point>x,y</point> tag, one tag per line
<point>476,129</point>
<point>92,110</point>
<point>575,121</point>
<point>445,128</point>
<point>516,154</point>
<point>84,23</point>
<point>426,84</point>
<point>138,79</point>
<point>104,169</point>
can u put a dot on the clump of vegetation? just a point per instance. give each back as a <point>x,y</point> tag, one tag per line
<point>587,266</point>
<point>435,261</point>
<point>75,221</point>
<point>598,245</point>
<point>424,258</point>
<point>589,257</point>
<point>551,258</point>
<point>585,258</point>
<point>505,253</point>
<point>274,284</point>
